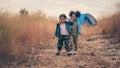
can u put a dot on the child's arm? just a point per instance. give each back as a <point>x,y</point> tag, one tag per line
<point>55,34</point>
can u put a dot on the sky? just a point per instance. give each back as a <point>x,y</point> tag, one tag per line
<point>57,7</point>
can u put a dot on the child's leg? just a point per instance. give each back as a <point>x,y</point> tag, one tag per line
<point>60,44</point>
<point>71,43</point>
<point>67,43</point>
<point>75,41</point>
<point>67,46</point>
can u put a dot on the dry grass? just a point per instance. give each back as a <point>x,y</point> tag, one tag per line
<point>110,23</point>
<point>18,33</point>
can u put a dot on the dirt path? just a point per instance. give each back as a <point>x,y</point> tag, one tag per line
<point>94,52</point>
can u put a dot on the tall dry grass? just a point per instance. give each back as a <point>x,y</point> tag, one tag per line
<point>19,32</point>
<point>110,23</point>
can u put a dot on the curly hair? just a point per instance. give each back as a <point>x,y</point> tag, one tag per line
<point>77,13</point>
<point>71,12</point>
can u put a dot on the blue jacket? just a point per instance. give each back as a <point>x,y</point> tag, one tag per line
<point>90,19</point>
<point>57,31</point>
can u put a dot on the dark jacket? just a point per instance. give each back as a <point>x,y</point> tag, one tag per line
<point>57,31</point>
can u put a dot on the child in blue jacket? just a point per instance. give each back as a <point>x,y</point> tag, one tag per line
<point>63,32</point>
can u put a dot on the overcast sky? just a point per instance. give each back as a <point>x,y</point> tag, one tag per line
<point>56,7</point>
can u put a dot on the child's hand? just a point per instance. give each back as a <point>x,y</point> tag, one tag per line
<point>54,37</point>
<point>67,18</point>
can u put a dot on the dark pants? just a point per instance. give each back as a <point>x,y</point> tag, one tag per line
<point>73,41</point>
<point>66,40</point>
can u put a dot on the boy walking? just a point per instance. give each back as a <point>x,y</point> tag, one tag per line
<point>63,32</point>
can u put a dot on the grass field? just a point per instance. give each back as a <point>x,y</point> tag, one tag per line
<point>19,33</point>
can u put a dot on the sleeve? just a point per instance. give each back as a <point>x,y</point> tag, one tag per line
<point>91,20</point>
<point>79,28</point>
<point>56,30</point>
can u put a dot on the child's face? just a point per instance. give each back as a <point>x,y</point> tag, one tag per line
<point>62,19</point>
<point>73,17</point>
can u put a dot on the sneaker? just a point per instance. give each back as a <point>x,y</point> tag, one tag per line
<point>58,53</point>
<point>69,54</point>
<point>75,53</point>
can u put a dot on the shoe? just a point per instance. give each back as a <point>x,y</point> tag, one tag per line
<point>75,53</point>
<point>58,53</point>
<point>69,54</point>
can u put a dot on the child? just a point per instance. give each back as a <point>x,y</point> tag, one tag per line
<point>63,32</point>
<point>75,27</point>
